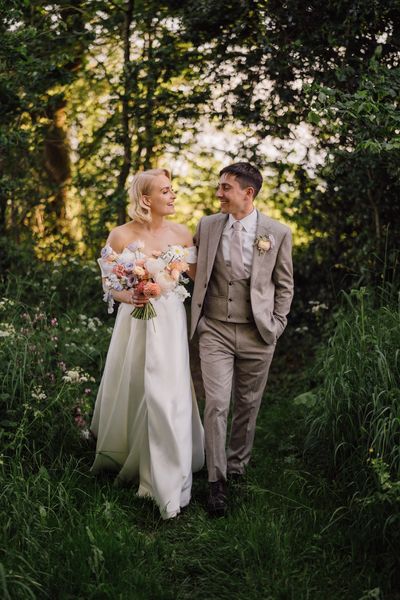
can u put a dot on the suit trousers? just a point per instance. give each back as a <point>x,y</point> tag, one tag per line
<point>235,362</point>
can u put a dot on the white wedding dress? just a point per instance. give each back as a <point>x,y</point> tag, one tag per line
<point>146,418</point>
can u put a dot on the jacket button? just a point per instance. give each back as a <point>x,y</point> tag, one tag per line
<point>205,285</point>
<point>229,299</point>
<point>199,305</point>
<point>230,283</point>
<point>229,316</point>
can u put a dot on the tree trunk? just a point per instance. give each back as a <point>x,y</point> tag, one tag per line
<point>126,134</point>
<point>58,165</point>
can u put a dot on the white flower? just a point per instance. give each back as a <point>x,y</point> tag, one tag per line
<point>71,377</point>
<point>84,433</point>
<point>6,303</point>
<point>7,330</point>
<point>38,393</point>
<point>165,282</point>
<point>154,265</point>
<point>77,375</point>
<point>177,251</point>
<point>181,292</point>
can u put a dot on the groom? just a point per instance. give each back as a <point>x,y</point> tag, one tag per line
<point>242,295</point>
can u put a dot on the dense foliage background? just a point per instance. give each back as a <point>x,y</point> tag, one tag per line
<point>92,91</point>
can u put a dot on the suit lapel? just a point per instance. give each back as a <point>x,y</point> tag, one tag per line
<point>214,237</point>
<point>258,258</point>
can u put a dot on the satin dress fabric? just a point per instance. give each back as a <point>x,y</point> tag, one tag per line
<point>146,419</point>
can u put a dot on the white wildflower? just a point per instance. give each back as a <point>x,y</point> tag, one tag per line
<point>38,393</point>
<point>7,329</point>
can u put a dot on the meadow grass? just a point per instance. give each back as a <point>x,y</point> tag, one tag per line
<point>69,535</point>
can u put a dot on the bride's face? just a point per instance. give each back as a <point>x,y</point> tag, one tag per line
<point>161,198</point>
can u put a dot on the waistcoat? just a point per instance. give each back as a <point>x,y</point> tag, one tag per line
<point>227,299</point>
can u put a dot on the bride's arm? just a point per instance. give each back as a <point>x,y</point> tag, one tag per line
<point>187,241</point>
<point>116,242</point>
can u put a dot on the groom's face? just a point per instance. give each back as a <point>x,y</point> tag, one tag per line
<point>234,199</point>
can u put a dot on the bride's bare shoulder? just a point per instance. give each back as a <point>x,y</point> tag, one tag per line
<point>121,236</point>
<point>183,234</point>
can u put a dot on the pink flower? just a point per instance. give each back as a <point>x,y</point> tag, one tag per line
<point>140,262</point>
<point>54,322</point>
<point>119,270</point>
<point>156,253</point>
<point>88,391</point>
<point>151,290</point>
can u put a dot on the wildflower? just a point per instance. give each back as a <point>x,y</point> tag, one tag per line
<point>88,391</point>
<point>54,322</point>
<point>38,393</point>
<point>85,433</point>
<point>7,330</point>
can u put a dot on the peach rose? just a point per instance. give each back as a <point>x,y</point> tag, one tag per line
<point>152,290</point>
<point>264,245</point>
<point>179,265</point>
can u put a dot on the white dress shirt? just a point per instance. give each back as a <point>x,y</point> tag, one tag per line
<point>248,235</point>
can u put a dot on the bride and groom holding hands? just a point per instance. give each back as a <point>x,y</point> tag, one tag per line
<point>146,420</point>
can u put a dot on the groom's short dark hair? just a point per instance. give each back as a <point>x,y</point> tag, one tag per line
<point>246,174</point>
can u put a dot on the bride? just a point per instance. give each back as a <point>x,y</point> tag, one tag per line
<point>146,419</point>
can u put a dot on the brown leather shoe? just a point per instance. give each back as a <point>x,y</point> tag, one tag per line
<point>217,503</point>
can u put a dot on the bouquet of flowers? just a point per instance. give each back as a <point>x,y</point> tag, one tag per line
<point>158,275</point>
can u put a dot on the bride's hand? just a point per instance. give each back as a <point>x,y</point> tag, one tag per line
<point>125,296</point>
<point>139,300</point>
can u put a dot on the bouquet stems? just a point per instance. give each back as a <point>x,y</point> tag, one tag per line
<point>144,312</point>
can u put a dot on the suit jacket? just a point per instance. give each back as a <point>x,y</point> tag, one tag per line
<point>271,281</point>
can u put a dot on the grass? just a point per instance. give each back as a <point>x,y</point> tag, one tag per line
<point>68,535</point>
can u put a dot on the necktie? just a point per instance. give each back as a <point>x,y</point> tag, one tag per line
<point>237,266</point>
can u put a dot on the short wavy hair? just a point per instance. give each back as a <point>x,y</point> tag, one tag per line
<point>141,186</point>
<point>246,174</point>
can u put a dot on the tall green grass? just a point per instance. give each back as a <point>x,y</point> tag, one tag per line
<point>68,535</point>
<point>354,423</point>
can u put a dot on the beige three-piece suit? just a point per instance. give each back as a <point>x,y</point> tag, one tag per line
<point>238,322</point>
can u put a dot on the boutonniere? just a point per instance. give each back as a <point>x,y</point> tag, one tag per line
<point>264,243</point>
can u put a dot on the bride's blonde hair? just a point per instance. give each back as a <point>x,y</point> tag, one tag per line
<point>141,186</point>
